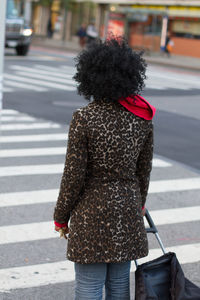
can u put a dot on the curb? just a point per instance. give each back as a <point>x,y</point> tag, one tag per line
<point>59,47</point>
<point>149,60</point>
<point>172,64</point>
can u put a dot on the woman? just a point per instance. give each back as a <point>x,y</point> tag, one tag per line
<point>82,35</point>
<point>169,45</point>
<point>106,176</point>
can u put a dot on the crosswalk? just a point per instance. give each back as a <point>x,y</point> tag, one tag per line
<point>39,78</point>
<point>159,78</point>
<point>36,159</point>
<point>42,78</point>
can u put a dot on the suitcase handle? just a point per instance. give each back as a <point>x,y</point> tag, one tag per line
<point>152,229</point>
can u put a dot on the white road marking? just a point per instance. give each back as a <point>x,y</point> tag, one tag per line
<point>45,196</point>
<point>176,215</point>
<point>188,81</point>
<point>33,152</point>
<point>72,70</point>
<point>36,170</point>
<point>36,275</point>
<point>28,126</point>
<point>56,151</point>
<point>26,198</point>
<point>68,104</point>
<point>45,72</point>
<point>34,138</point>
<point>31,170</point>
<point>40,82</point>
<point>163,84</point>
<point>24,86</point>
<point>160,163</point>
<point>69,69</point>
<point>48,78</point>
<point>9,112</point>
<point>154,86</point>
<point>7,90</point>
<point>17,118</point>
<point>27,232</point>
<point>63,271</point>
<point>174,185</point>
<point>44,230</point>
<point>185,253</point>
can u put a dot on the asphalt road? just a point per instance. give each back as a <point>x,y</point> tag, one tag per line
<point>39,100</point>
<point>174,92</point>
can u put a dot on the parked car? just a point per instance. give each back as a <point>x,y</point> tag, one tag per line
<point>18,33</point>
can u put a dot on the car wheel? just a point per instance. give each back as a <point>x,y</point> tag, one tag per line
<point>22,50</point>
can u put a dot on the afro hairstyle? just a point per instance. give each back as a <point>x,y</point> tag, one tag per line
<point>109,70</point>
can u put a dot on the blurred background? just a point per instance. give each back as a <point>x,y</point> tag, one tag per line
<point>144,23</point>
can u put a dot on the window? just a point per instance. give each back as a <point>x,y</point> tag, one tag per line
<point>11,11</point>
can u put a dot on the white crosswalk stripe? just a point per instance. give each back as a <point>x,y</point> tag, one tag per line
<point>47,196</point>
<point>25,232</point>
<point>45,72</point>
<point>58,151</point>
<point>5,118</point>
<point>39,78</point>
<point>33,152</point>
<point>9,112</point>
<point>183,184</point>
<point>157,79</point>
<point>24,86</point>
<point>44,230</point>
<point>48,169</point>
<point>185,253</point>
<point>9,127</point>
<point>34,138</point>
<point>8,90</point>
<point>40,82</point>
<point>65,68</point>
<point>31,170</point>
<point>26,198</point>
<point>49,78</point>
<point>51,273</point>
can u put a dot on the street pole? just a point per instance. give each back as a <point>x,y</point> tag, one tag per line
<point>164,33</point>
<point>2,46</point>
<point>65,20</point>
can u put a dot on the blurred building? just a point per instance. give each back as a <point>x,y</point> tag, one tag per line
<point>24,8</point>
<point>143,23</point>
<point>65,20</point>
<point>140,20</point>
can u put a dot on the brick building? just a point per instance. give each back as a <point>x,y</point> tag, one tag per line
<point>143,21</point>
<point>140,20</point>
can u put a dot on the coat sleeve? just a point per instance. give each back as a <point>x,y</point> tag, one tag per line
<point>74,170</point>
<point>144,165</point>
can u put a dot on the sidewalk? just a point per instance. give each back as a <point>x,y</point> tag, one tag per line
<point>185,62</point>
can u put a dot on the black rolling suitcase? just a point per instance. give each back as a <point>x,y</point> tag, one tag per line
<point>163,278</point>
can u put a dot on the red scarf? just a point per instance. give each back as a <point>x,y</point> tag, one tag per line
<point>139,107</point>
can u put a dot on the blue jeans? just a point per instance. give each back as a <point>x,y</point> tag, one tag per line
<point>90,279</point>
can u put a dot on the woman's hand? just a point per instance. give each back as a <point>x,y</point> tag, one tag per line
<point>143,211</point>
<point>63,231</point>
<point>57,228</point>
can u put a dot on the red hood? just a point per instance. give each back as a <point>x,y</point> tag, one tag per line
<point>139,107</point>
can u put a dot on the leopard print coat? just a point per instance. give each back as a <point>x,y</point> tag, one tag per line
<point>104,184</point>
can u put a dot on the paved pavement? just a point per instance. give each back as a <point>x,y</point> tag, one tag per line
<point>33,264</point>
<point>42,78</point>
<point>32,257</point>
<point>41,84</point>
<point>154,58</point>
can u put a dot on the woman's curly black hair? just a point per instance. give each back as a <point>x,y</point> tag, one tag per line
<point>110,70</point>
